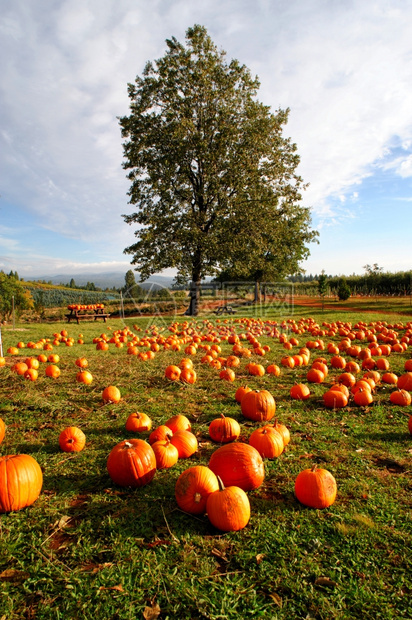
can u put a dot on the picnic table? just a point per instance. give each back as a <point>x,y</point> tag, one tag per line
<point>90,311</point>
<point>225,310</point>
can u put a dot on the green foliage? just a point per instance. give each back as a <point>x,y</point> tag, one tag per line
<point>344,291</point>
<point>56,296</point>
<point>13,295</point>
<point>213,179</point>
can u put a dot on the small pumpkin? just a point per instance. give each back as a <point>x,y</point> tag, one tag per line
<point>173,372</point>
<point>21,480</point>
<point>138,422</point>
<point>111,394</point>
<point>132,463</point>
<point>72,439</point>
<point>193,487</point>
<point>267,441</point>
<point>401,398</point>
<point>283,430</point>
<point>165,452</point>
<point>228,508</point>
<point>178,422</point>
<point>185,442</point>
<point>224,430</point>
<point>161,432</point>
<point>2,430</point>
<point>241,391</point>
<point>316,488</point>
<point>363,397</point>
<point>335,399</point>
<point>299,391</point>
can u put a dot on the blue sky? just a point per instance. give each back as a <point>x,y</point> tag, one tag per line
<point>344,68</point>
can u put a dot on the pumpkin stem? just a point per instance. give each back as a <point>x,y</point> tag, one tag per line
<point>127,444</point>
<point>314,468</point>
<point>198,498</point>
<point>220,483</point>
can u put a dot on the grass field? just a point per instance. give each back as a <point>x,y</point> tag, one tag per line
<point>88,548</point>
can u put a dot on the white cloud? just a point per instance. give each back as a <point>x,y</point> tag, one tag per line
<point>344,69</point>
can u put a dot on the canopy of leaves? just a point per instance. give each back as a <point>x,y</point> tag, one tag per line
<point>13,295</point>
<point>212,177</point>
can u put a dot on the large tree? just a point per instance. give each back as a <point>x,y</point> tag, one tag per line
<point>213,179</point>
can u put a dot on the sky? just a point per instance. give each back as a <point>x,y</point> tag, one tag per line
<point>343,67</point>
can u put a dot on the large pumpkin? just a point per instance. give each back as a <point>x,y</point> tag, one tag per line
<point>21,480</point>
<point>316,488</point>
<point>238,464</point>
<point>193,487</point>
<point>132,463</point>
<point>258,405</point>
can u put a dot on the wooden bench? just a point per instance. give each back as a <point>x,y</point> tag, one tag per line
<point>225,310</point>
<point>76,315</point>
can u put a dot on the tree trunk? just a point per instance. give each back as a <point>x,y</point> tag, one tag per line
<point>257,292</point>
<point>193,309</point>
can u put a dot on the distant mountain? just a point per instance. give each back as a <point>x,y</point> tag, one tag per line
<point>104,280</point>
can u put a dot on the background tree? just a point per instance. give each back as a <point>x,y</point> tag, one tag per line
<point>213,179</point>
<point>131,288</point>
<point>322,287</point>
<point>13,294</point>
<point>344,291</point>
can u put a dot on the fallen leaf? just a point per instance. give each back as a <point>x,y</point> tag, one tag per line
<point>276,599</point>
<point>119,588</point>
<point>325,581</point>
<point>151,613</point>
<point>359,450</point>
<point>260,557</point>
<point>13,575</point>
<point>64,520</point>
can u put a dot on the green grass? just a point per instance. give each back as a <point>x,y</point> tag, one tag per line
<point>89,549</point>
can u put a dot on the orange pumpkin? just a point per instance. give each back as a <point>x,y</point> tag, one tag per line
<point>138,422</point>
<point>2,430</point>
<point>258,405</point>
<point>166,453</point>
<point>238,464</point>
<point>267,441</point>
<point>72,439</point>
<point>224,430</point>
<point>300,391</point>
<point>316,488</point>
<point>193,487</point>
<point>401,398</point>
<point>228,508</point>
<point>178,423</point>
<point>185,442</point>
<point>111,394</point>
<point>21,480</point>
<point>132,463</point>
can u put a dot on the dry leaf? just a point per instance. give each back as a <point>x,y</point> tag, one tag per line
<point>64,520</point>
<point>13,575</point>
<point>260,557</point>
<point>119,588</point>
<point>325,581</point>
<point>359,450</point>
<point>151,613</point>
<point>276,599</point>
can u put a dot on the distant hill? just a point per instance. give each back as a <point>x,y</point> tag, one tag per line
<point>104,280</point>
